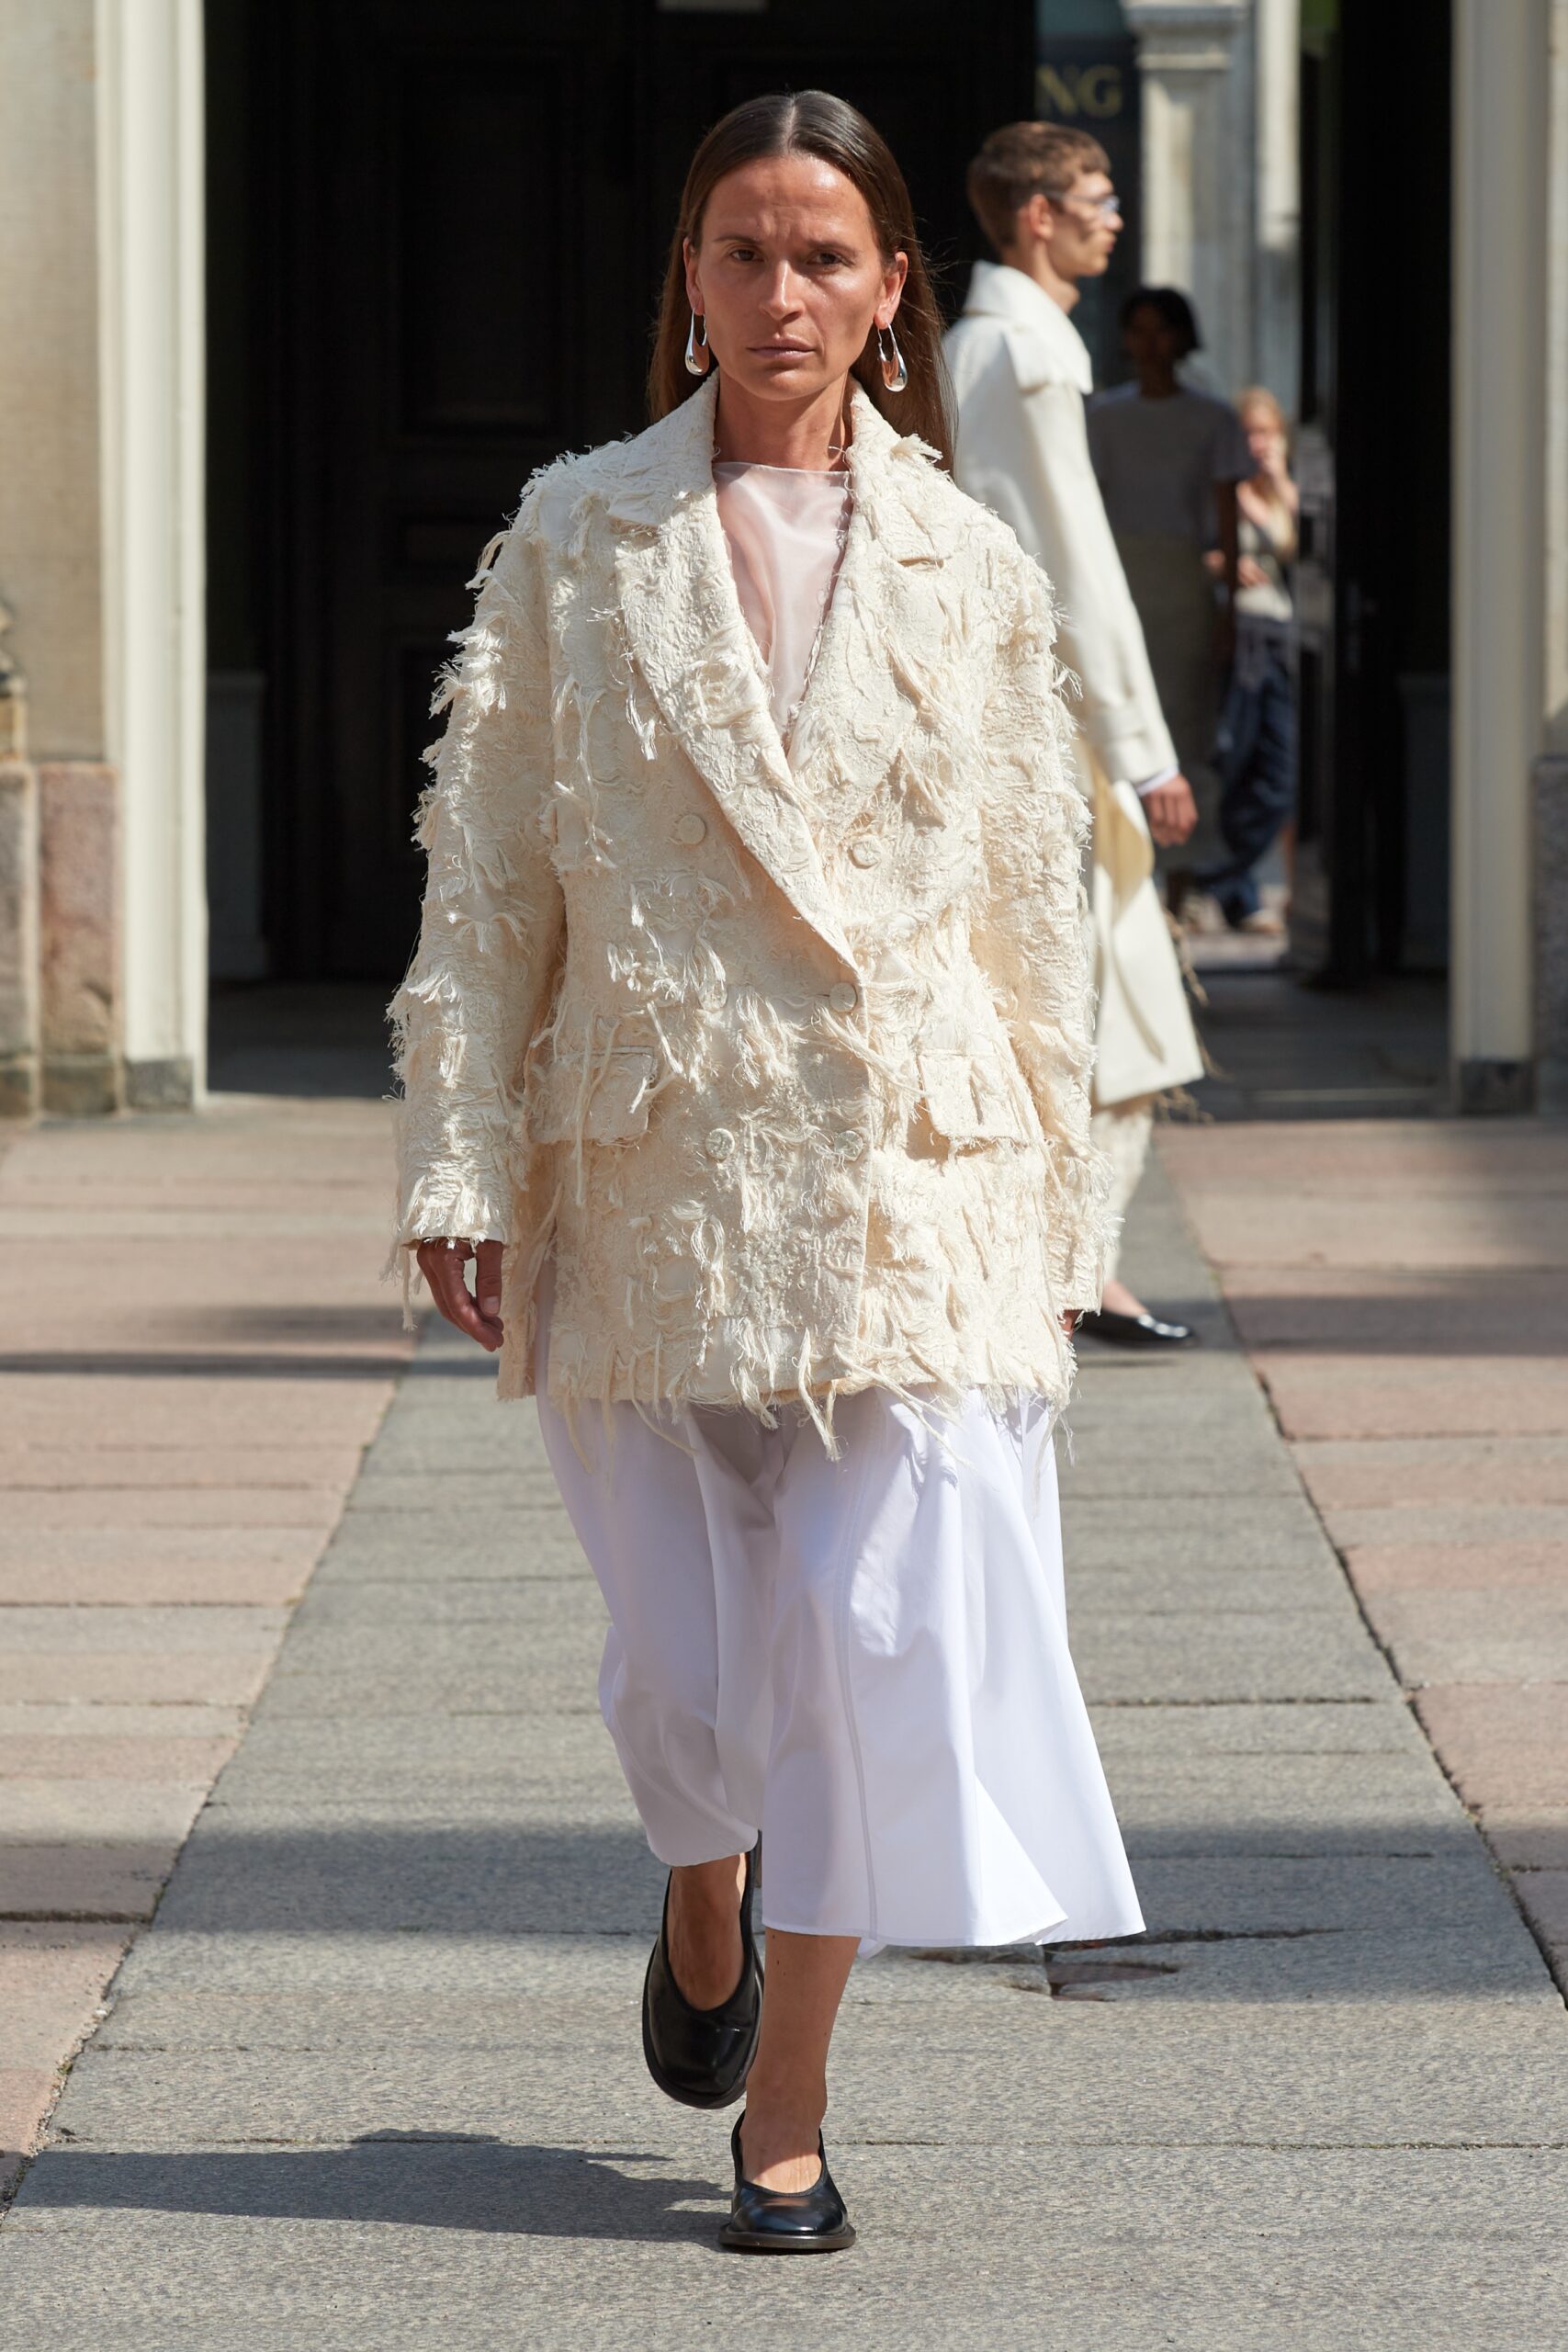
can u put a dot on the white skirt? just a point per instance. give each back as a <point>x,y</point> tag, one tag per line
<point>863,1660</point>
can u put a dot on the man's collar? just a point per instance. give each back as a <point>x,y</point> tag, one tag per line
<point>1049,345</point>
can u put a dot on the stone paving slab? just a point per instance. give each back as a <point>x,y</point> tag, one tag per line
<point>1425,1470</point>
<point>330,1468</point>
<point>158,1412</point>
<point>63,1811</point>
<point>427,2242</point>
<point>1327,1393</point>
<point>191,1584</point>
<point>384,1551</point>
<point>1500,1740</point>
<point>137,1678</point>
<point>1259,1535</point>
<point>1256,1729</point>
<point>36,1631</point>
<point>427,1973</point>
<point>1000,2052</point>
<point>219,1507</point>
<point>93,1879</point>
<point>1469,1523</point>
<point>1435,1637</point>
<point>32,1720</point>
<point>90,1756</point>
<point>1220,1655</point>
<point>1454,1568</point>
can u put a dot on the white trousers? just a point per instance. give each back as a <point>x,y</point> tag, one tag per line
<point>863,1660</point>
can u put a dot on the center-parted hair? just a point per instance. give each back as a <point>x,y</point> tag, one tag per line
<point>814,122</point>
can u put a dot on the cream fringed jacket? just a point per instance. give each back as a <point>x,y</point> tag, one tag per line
<point>787,1065</point>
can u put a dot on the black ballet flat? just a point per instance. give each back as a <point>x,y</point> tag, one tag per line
<point>771,2221</point>
<point>1133,1331</point>
<point>702,2057</point>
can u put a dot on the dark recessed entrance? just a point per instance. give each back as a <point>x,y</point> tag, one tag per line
<point>436,239</point>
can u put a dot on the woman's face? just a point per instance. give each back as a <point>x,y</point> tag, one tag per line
<point>1148,340</point>
<point>1265,437</point>
<point>788,277</point>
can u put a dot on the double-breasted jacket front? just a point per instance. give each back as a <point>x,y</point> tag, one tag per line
<point>784,1057</point>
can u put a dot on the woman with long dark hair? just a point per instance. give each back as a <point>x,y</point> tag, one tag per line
<point>745,1054</point>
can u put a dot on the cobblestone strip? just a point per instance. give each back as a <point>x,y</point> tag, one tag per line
<point>1402,1288</point>
<point>194,1353</point>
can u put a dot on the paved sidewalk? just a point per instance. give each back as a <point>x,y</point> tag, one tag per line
<point>372,2076</point>
<point>193,1351</point>
<point>1402,1288</point>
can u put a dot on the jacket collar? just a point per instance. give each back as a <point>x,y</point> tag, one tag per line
<point>689,639</point>
<point>1047,347</point>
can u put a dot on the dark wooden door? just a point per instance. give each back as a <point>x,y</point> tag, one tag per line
<point>1373,576</point>
<point>468,213</point>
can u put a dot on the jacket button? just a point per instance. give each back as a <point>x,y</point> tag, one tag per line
<point>843,998</point>
<point>866,850</point>
<point>850,1144</point>
<point>719,1143</point>
<point>691,829</point>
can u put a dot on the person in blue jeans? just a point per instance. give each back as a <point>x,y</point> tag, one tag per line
<point>1255,751</point>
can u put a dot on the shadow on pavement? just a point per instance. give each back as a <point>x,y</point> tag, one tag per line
<point>448,2181</point>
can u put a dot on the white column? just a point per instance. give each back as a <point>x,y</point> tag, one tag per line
<point>1275,353</point>
<point>151,310</point>
<point>1556,517</point>
<point>1195,85</point>
<point>1501,300</point>
<point>1550,845</point>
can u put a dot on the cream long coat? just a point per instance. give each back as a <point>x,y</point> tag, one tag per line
<point>788,1066</point>
<point>1020,371</point>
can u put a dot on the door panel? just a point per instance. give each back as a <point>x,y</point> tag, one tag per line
<point>466,215</point>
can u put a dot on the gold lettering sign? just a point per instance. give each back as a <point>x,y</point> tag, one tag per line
<point>1070,90</point>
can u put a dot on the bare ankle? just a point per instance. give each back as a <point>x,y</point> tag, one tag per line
<point>704,1930</point>
<point>781,2140</point>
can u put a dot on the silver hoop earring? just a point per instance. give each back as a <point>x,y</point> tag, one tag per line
<point>699,358</point>
<point>895,375</point>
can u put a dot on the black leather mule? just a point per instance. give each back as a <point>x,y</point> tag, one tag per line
<point>702,2057</point>
<point>772,2220</point>
<point>1133,1331</point>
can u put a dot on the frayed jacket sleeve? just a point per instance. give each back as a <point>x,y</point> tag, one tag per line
<point>1035,942</point>
<point>493,920</point>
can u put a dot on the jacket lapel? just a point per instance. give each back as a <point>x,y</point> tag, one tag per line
<point>689,639</point>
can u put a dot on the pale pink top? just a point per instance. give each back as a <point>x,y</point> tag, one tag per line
<point>785,527</point>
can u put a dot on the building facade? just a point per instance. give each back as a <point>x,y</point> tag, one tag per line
<point>181,509</point>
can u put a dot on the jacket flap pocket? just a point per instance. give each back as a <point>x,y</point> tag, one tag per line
<point>968,1098</point>
<point>602,1098</point>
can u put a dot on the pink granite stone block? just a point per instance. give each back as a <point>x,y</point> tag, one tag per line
<point>1502,1743</point>
<point>1457,1567</point>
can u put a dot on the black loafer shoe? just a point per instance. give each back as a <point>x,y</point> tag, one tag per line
<point>769,2221</point>
<point>1134,1331</point>
<point>702,2057</point>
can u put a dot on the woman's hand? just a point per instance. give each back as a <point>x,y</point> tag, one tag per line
<point>444,1265</point>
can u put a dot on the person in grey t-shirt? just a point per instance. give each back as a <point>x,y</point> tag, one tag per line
<point>1168,459</point>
